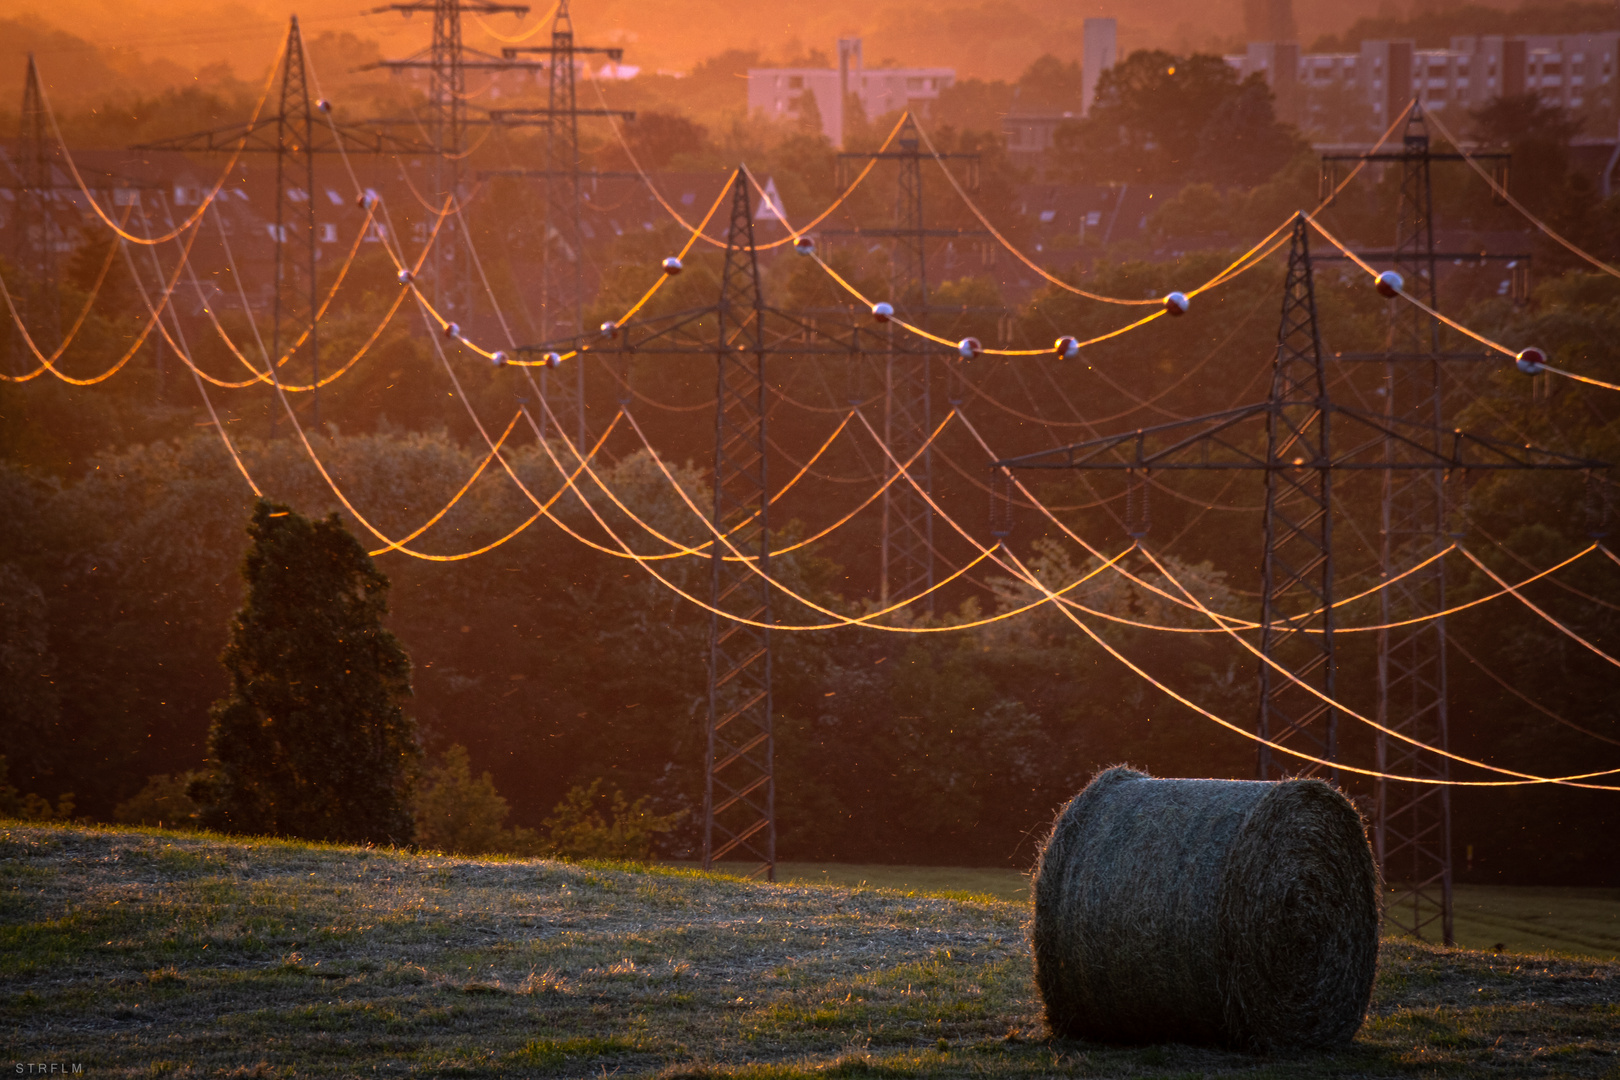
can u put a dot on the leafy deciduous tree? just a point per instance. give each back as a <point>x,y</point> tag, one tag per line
<point>1160,118</point>
<point>594,824</point>
<point>455,812</point>
<point>165,801</point>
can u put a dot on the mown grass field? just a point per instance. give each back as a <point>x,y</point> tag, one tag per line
<point>147,954</point>
<point>1572,922</point>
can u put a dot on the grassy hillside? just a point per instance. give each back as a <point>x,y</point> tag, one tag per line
<point>1573,922</point>
<point>142,953</point>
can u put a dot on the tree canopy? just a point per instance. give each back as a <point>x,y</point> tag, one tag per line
<point>1159,118</point>
<point>311,740</point>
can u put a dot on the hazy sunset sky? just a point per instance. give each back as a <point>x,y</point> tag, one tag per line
<point>988,39</point>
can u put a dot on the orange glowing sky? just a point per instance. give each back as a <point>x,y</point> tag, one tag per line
<point>991,40</point>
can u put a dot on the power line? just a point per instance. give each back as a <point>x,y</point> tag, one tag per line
<point>562,294</point>
<point>203,203</point>
<point>447,60</point>
<point>1298,563</point>
<point>1022,573</point>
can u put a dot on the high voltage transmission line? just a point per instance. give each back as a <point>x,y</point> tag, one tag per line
<point>906,551</point>
<point>295,133</point>
<point>563,177</point>
<point>1305,435</point>
<point>742,332</point>
<point>446,61</point>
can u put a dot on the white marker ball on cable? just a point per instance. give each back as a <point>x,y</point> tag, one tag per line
<point>1390,284</point>
<point>1066,348</point>
<point>804,245</point>
<point>672,266</point>
<point>498,358</point>
<point>882,311</point>
<point>405,277</point>
<point>323,105</point>
<point>969,348</point>
<point>610,329</point>
<point>553,359</point>
<point>366,199</point>
<point>1531,361</point>
<point>1177,303</point>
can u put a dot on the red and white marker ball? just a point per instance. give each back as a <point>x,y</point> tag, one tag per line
<point>498,358</point>
<point>1177,303</point>
<point>1531,361</point>
<point>452,330</point>
<point>405,277</point>
<point>610,329</point>
<point>969,348</point>
<point>672,266</point>
<point>1066,348</point>
<point>804,245</point>
<point>1390,284</point>
<point>553,359</point>
<point>883,311</point>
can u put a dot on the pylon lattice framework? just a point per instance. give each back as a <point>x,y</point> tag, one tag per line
<point>1299,460</point>
<point>447,60</point>
<point>293,132</point>
<point>906,556</point>
<point>1412,821</point>
<point>1412,827</point>
<point>739,797</point>
<point>1296,571</point>
<point>742,333</point>
<point>562,292</point>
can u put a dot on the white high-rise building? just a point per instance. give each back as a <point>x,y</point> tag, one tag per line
<point>1353,95</point>
<point>786,92</point>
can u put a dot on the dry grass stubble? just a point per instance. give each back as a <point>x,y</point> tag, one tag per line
<point>148,954</point>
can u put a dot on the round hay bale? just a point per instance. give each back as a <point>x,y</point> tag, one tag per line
<point>1237,913</point>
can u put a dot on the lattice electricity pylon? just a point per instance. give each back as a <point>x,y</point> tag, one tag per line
<point>447,60</point>
<point>294,134</point>
<point>1296,567</point>
<point>1412,826</point>
<point>1412,821</point>
<point>742,333</point>
<point>1286,438</point>
<point>906,559</point>
<point>562,292</point>
<point>739,797</point>
<point>35,228</point>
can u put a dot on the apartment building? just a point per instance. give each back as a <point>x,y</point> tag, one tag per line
<point>789,92</point>
<point>1349,96</point>
<point>1030,134</point>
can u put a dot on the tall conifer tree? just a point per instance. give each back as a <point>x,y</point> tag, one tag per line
<point>311,741</point>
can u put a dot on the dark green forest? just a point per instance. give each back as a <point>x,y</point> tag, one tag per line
<point>556,664</point>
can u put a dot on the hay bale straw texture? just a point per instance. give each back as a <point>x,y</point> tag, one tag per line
<point>1227,912</point>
